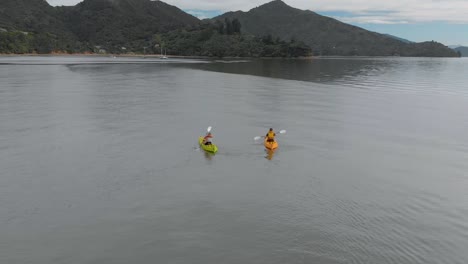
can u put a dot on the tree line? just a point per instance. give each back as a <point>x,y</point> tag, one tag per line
<point>210,39</point>
<point>225,39</point>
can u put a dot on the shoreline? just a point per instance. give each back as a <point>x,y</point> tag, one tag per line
<point>158,56</point>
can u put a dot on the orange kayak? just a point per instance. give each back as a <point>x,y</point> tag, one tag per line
<point>270,145</point>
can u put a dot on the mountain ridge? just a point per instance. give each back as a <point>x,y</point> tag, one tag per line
<point>463,50</point>
<point>327,36</point>
<point>400,39</point>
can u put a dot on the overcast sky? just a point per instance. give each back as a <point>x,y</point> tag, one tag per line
<point>445,21</point>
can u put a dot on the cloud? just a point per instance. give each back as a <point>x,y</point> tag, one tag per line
<point>398,11</point>
<point>197,14</point>
<point>202,14</point>
<point>370,20</point>
<point>63,2</point>
<point>363,11</point>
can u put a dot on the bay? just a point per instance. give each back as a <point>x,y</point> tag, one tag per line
<point>99,160</point>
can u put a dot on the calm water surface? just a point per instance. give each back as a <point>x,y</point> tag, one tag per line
<point>98,161</point>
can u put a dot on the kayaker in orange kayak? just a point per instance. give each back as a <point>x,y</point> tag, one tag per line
<point>270,136</point>
<point>207,139</point>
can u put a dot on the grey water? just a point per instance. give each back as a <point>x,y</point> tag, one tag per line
<point>99,161</point>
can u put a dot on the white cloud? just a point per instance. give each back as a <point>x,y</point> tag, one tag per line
<point>63,2</point>
<point>370,20</point>
<point>397,11</point>
<point>198,14</point>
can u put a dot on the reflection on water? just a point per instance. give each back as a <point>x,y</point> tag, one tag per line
<point>208,155</point>
<point>269,153</point>
<point>315,69</point>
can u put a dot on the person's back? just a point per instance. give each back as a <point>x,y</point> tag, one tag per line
<point>207,139</point>
<point>270,135</point>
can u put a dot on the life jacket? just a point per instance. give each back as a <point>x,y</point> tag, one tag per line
<point>271,135</point>
<point>207,138</point>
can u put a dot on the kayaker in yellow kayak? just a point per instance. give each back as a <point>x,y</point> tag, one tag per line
<point>270,136</point>
<point>207,139</point>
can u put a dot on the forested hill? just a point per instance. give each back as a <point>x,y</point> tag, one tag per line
<point>32,26</point>
<point>144,26</point>
<point>90,26</point>
<point>30,15</point>
<point>327,36</point>
<point>123,23</point>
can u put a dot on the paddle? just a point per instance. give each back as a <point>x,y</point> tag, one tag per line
<point>259,137</point>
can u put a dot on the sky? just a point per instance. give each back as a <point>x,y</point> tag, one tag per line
<point>444,21</point>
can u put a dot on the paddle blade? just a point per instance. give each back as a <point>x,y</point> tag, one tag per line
<point>282,131</point>
<point>257,138</point>
<point>208,129</point>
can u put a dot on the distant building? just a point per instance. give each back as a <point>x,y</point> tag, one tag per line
<point>99,49</point>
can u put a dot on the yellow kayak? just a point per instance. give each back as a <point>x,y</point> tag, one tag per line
<point>208,148</point>
<point>270,145</point>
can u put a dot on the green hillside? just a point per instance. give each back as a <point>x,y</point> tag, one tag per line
<point>328,36</point>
